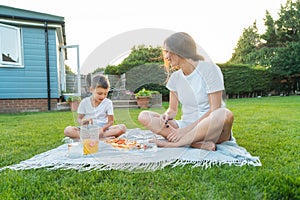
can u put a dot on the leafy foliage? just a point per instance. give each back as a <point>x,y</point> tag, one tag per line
<point>156,87</point>
<point>288,23</point>
<point>250,82</point>
<point>286,61</point>
<point>143,93</point>
<point>277,49</point>
<point>68,70</point>
<point>246,45</point>
<point>138,56</point>
<point>73,98</point>
<point>98,70</point>
<point>270,37</point>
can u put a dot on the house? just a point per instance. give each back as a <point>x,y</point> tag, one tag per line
<point>31,67</point>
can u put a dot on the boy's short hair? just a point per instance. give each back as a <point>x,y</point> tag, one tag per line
<point>100,81</point>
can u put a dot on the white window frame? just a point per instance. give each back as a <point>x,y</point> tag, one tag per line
<point>10,35</point>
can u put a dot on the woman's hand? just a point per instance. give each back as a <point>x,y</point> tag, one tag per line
<point>175,135</point>
<point>165,116</point>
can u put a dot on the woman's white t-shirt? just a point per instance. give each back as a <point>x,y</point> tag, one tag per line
<point>98,114</point>
<point>193,90</point>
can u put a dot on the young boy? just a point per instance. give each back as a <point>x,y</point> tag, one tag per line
<point>97,110</point>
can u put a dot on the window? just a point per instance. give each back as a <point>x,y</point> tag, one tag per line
<point>10,46</point>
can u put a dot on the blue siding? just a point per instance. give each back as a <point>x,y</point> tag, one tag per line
<point>31,81</point>
<point>6,10</point>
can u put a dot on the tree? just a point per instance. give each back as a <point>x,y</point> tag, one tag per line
<point>286,64</point>
<point>269,42</point>
<point>246,46</point>
<point>139,55</point>
<point>286,60</point>
<point>270,38</point>
<point>288,23</point>
<point>278,48</point>
<point>68,70</point>
<point>99,69</point>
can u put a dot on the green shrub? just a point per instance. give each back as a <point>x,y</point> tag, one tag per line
<point>73,98</point>
<point>145,93</point>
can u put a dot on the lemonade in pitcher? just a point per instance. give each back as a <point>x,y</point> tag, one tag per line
<point>90,146</point>
<point>89,136</point>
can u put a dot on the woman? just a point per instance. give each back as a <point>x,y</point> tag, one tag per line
<point>198,85</point>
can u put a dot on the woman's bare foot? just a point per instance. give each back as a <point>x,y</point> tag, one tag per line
<point>175,135</point>
<point>210,146</point>
<point>165,143</point>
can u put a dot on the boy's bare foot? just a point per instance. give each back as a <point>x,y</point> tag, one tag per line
<point>105,138</point>
<point>207,145</point>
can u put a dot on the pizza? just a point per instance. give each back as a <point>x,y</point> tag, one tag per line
<point>123,143</point>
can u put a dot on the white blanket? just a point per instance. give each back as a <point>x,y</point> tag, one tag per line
<point>109,158</point>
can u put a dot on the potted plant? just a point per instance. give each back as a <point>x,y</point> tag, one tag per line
<point>74,102</point>
<point>143,97</point>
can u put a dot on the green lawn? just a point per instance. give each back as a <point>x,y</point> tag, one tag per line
<point>267,127</point>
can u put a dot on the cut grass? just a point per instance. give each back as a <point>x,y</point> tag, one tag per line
<point>267,127</point>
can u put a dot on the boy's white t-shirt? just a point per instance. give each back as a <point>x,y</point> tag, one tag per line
<point>193,90</point>
<point>98,114</point>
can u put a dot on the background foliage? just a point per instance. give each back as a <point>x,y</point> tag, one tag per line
<point>261,63</point>
<point>139,55</point>
<point>278,49</point>
<point>251,81</point>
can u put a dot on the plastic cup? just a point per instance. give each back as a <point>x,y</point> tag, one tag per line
<point>75,150</point>
<point>89,136</point>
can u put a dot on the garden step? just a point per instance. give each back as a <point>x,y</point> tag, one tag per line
<point>124,100</point>
<point>125,103</point>
<point>63,106</point>
<point>126,106</point>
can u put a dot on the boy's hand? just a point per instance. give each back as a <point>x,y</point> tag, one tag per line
<point>87,121</point>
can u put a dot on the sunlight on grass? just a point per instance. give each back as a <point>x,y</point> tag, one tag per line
<point>267,127</point>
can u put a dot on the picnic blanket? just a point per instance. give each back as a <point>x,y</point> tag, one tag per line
<point>110,158</point>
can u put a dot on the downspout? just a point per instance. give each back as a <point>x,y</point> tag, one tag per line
<point>47,66</point>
